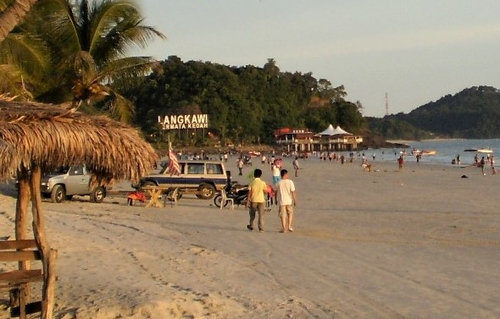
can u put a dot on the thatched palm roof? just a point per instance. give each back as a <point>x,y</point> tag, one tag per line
<point>34,134</point>
<point>36,137</point>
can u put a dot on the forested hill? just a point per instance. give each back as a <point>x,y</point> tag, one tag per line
<point>244,104</point>
<point>471,113</point>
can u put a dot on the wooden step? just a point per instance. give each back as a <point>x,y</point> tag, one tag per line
<point>17,277</point>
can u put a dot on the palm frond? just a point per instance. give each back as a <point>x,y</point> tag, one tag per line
<point>121,108</point>
<point>117,25</point>
<point>11,82</point>
<point>141,35</point>
<point>60,25</point>
<point>26,52</point>
<point>126,67</point>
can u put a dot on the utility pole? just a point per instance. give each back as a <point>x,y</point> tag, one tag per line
<point>386,104</point>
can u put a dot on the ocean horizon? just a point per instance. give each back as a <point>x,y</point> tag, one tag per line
<point>446,150</point>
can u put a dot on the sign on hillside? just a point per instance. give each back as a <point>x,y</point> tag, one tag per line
<point>186,121</point>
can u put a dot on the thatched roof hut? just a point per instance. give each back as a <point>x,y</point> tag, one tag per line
<point>37,137</point>
<point>50,136</point>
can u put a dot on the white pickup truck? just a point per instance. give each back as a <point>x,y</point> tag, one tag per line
<point>68,181</point>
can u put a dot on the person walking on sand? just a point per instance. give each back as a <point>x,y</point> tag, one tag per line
<point>275,168</point>
<point>287,199</point>
<point>481,164</point>
<point>256,200</point>
<point>240,165</point>
<point>492,163</point>
<point>296,166</point>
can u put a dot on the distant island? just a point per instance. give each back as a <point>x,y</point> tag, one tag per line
<point>471,113</point>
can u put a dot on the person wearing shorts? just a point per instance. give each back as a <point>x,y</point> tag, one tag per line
<point>287,199</point>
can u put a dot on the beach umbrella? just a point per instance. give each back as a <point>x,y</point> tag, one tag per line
<point>36,137</point>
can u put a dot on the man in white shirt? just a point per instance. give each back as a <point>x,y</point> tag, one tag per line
<point>287,199</point>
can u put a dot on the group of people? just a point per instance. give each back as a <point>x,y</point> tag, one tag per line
<point>286,197</point>
<point>483,162</point>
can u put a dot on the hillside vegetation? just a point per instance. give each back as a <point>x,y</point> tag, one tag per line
<point>244,104</point>
<point>471,113</point>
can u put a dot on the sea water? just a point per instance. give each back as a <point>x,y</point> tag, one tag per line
<point>446,151</point>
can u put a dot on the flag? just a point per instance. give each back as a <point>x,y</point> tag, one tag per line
<point>173,165</point>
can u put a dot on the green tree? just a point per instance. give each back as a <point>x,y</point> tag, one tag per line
<point>87,42</point>
<point>245,104</point>
<point>348,116</point>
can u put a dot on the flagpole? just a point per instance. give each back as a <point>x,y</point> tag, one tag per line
<point>173,164</point>
<point>169,144</point>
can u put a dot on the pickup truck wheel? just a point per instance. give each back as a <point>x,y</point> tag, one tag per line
<point>97,196</point>
<point>205,191</point>
<point>58,194</point>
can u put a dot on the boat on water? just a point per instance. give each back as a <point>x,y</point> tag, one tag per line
<point>416,152</point>
<point>485,150</point>
<point>480,150</point>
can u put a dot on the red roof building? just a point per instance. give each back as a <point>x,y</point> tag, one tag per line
<point>303,140</point>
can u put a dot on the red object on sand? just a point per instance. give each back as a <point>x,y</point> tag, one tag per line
<point>137,195</point>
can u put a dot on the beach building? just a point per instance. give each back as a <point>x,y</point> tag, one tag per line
<point>303,140</point>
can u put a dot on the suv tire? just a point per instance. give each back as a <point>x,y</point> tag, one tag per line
<point>58,194</point>
<point>206,191</point>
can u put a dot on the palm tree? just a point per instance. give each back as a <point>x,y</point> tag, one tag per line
<point>11,13</point>
<point>91,40</point>
<point>87,43</point>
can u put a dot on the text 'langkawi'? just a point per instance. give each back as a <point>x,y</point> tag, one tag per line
<point>186,121</point>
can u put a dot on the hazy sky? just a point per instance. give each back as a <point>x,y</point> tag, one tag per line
<point>415,50</point>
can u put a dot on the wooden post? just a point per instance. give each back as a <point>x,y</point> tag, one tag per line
<point>48,255</point>
<point>20,297</point>
<point>23,197</point>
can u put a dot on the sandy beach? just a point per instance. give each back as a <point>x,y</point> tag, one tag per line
<point>418,243</point>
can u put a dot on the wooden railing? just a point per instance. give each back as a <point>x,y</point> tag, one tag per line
<point>17,281</point>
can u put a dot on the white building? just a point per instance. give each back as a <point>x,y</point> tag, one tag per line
<point>331,139</point>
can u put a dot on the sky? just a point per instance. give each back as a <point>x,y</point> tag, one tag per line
<point>416,51</point>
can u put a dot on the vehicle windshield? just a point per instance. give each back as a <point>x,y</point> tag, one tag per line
<point>59,171</point>
<point>164,168</point>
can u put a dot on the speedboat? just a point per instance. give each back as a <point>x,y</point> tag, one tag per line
<point>480,150</point>
<point>485,150</point>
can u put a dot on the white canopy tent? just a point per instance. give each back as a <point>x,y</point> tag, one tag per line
<point>334,131</point>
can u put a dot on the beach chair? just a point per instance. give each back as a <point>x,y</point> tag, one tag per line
<point>172,196</point>
<point>225,199</point>
<point>17,282</point>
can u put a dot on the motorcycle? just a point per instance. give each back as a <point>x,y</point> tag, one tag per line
<point>239,193</point>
